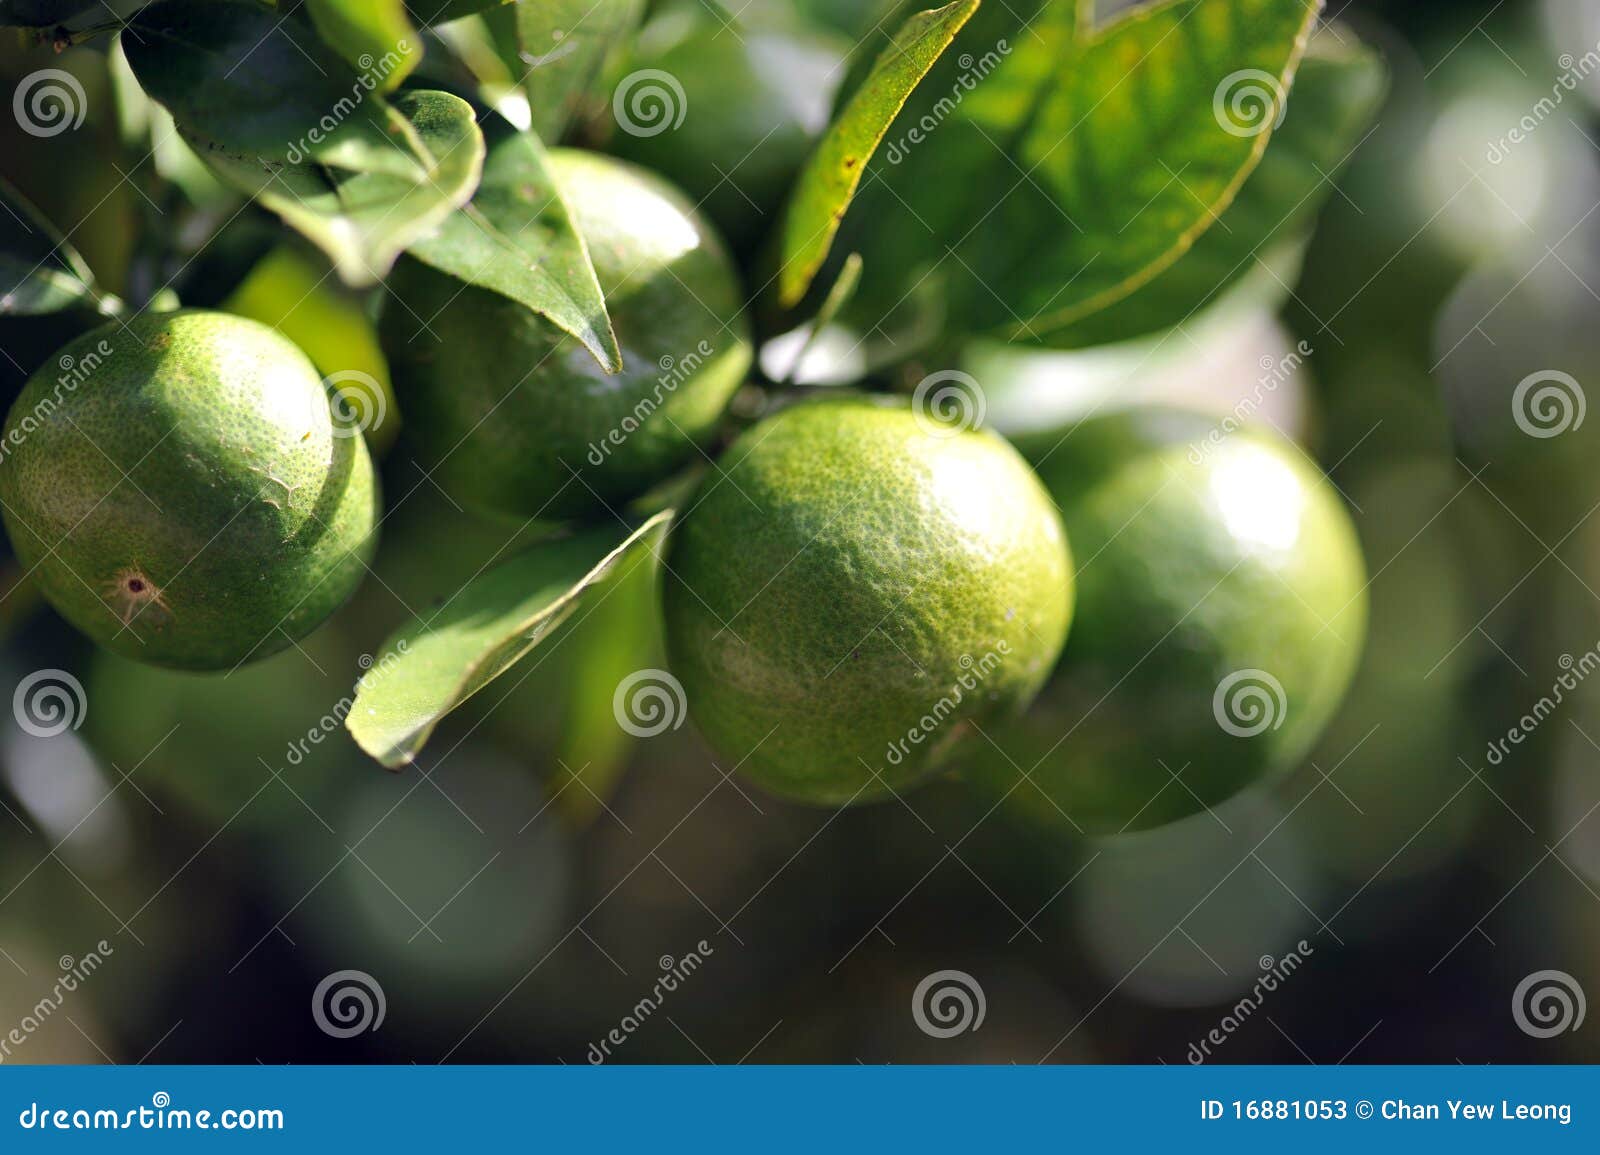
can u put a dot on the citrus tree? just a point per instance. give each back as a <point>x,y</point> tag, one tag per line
<point>693,293</point>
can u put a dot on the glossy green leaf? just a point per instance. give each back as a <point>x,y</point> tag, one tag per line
<point>429,668</point>
<point>244,77</point>
<point>564,44</point>
<point>40,272</point>
<point>364,220</point>
<point>517,239</point>
<point>1337,92</point>
<point>1044,174</point>
<point>374,35</point>
<point>832,173</point>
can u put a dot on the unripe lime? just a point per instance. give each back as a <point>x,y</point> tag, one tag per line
<point>513,416</point>
<point>296,296</point>
<point>1221,612</point>
<point>181,492</point>
<point>855,588</point>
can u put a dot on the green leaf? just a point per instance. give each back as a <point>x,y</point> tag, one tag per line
<point>40,272</point>
<point>1337,92</point>
<point>364,220</point>
<point>465,57</point>
<point>517,238</point>
<point>564,44</point>
<point>368,33</point>
<point>831,175</point>
<point>429,668</point>
<point>1042,175</point>
<point>239,74</point>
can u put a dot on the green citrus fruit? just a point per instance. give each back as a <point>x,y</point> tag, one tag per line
<point>727,116</point>
<point>181,492</point>
<point>294,294</point>
<point>513,416</point>
<point>855,588</point>
<point>1221,613</point>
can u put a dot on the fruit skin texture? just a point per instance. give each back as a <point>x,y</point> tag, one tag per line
<point>183,495</point>
<point>294,294</point>
<point>505,408</point>
<point>850,593</point>
<point>1198,559</point>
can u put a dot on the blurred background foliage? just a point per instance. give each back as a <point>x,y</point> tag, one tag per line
<point>519,890</point>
